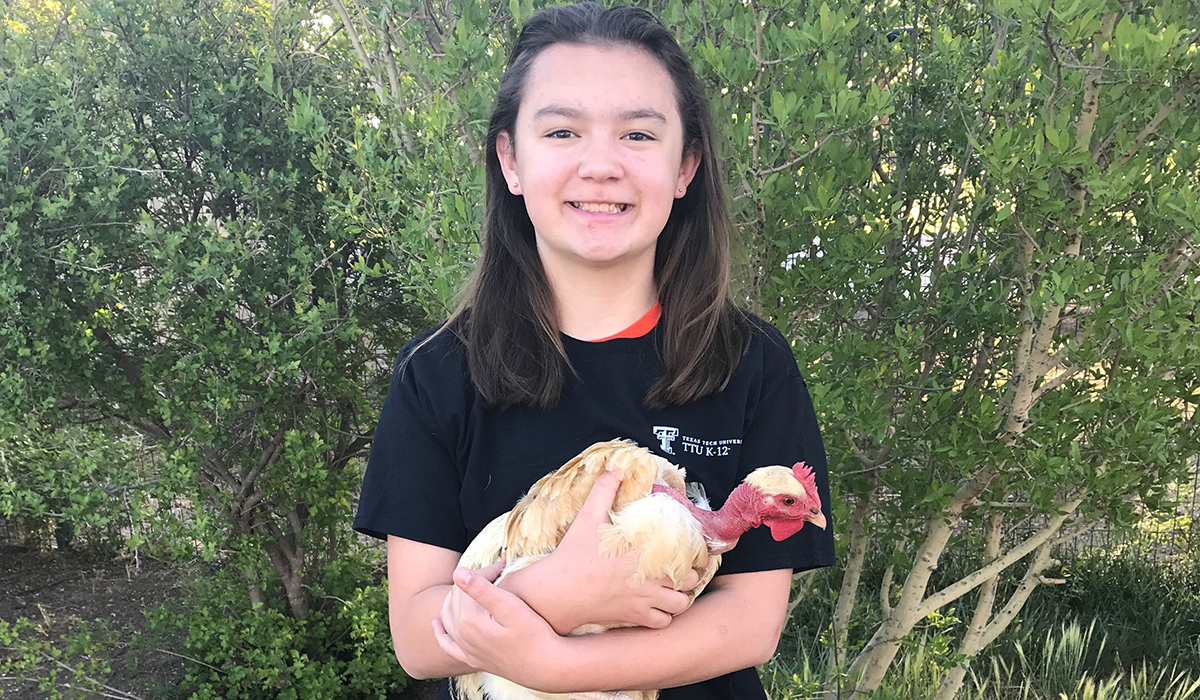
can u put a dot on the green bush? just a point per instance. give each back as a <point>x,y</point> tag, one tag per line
<point>343,649</point>
<point>78,486</point>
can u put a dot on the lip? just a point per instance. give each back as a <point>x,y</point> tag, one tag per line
<point>598,215</point>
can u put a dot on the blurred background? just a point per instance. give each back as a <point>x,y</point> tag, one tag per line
<point>977,222</point>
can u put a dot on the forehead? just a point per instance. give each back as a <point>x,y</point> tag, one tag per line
<point>600,81</point>
<point>775,480</point>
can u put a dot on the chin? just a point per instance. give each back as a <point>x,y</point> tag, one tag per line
<point>609,258</point>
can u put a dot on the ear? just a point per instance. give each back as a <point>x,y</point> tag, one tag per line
<point>506,152</point>
<point>687,169</point>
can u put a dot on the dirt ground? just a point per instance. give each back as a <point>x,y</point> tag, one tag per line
<point>55,589</point>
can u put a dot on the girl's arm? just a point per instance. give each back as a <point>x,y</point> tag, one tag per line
<point>734,625</point>
<point>418,581</point>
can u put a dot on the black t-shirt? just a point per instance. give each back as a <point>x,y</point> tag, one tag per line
<point>443,465</point>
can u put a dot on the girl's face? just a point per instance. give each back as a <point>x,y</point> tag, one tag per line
<point>599,154</point>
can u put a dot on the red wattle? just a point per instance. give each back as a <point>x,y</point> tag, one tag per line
<point>783,529</point>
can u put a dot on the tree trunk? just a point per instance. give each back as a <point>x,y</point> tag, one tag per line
<point>849,590</point>
<point>289,566</point>
<point>953,680</point>
<point>979,637</point>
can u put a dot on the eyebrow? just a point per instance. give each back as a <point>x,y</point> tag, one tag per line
<point>572,113</point>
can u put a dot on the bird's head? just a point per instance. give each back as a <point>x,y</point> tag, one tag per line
<point>786,499</point>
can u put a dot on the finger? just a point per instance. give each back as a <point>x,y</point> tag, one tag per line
<point>687,583</point>
<point>600,498</point>
<point>492,572</point>
<point>673,603</point>
<point>447,643</point>
<point>656,619</point>
<point>498,602</point>
<point>448,617</point>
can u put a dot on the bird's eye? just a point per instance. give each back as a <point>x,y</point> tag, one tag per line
<point>789,501</point>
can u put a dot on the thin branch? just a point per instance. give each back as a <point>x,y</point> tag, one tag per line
<point>800,159</point>
<point>188,658</point>
<point>1163,113</point>
<point>358,48</point>
<point>1059,379</point>
<point>806,580</point>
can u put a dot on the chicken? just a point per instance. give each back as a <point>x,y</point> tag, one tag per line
<point>651,517</point>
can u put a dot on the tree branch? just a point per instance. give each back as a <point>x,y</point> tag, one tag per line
<point>970,581</point>
<point>358,48</point>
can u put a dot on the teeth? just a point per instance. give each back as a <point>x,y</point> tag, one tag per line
<point>605,208</point>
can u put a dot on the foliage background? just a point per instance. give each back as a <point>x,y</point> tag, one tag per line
<point>220,220</point>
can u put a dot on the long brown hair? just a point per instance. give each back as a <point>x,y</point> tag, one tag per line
<point>507,316</point>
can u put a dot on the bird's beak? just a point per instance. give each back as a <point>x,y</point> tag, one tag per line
<point>818,520</point>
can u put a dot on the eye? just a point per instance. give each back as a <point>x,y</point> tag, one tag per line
<point>644,136</point>
<point>789,501</point>
<point>553,134</point>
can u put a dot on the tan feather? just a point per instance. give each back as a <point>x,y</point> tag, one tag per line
<point>541,518</point>
<point>488,546</point>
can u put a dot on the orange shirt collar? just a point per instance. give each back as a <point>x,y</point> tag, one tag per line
<point>640,327</point>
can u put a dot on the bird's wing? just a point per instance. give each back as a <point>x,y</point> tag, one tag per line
<point>669,474</point>
<point>667,540</point>
<point>714,563</point>
<point>488,546</point>
<point>541,518</point>
<point>536,525</point>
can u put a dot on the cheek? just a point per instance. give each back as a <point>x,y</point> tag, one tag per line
<point>659,178</point>
<point>547,176</point>
<point>542,194</point>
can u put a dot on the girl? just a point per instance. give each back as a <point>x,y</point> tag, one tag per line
<point>599,309</point>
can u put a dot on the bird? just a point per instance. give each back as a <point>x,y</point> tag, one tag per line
<point>664,521</point>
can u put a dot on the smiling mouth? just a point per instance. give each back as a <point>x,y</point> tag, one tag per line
<point>600,208</point>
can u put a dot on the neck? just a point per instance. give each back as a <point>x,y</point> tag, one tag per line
<point>595,302</point>
<point>725,526</point>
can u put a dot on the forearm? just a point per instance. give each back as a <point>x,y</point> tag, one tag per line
<point>413,638</point>
<point>726,630</point>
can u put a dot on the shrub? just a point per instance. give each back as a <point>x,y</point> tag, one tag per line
<point>237,651</point>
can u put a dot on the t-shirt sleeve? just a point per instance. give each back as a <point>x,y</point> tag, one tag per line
<point>783,430</point>
<point>412,483</point>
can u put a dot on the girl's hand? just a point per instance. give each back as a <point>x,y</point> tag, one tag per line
<point>575,585</point>
<point>491,629</point>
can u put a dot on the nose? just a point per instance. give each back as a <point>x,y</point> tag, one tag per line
<point>600,160</point>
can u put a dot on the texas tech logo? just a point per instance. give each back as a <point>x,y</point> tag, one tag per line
<point>665,436</point>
